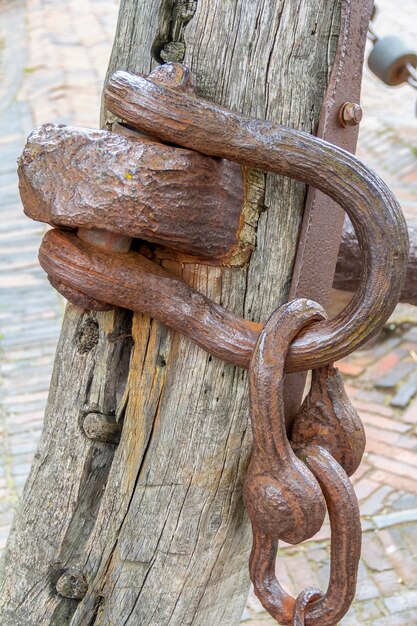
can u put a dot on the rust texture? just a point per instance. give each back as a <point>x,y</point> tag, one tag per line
<point>189,199</point>
<point>285,491</point>
<point>140,188</point>
<point>349,264</point>
<point>181,118</point>
<point>375,214</point>
<point>328,418</point>
<point>323,219</point>
<point>281,496</point>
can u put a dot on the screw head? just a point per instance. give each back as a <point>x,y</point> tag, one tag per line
<point>350,114</point>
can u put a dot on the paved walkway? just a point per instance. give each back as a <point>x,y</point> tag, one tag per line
<point>58,77</point>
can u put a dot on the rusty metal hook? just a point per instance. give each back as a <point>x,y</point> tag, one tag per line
<point>137,283</point>
<point>345,551</point>
<point>304,598</point>
<point>283,498</point>
<point>375,214</point>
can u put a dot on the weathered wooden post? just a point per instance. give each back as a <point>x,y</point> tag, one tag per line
<point>152,530</point>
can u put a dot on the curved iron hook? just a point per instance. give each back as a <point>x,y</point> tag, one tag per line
<point>133,281</point>
<point>285,501</point>
<point>346,539</point>
<point>375,214</point>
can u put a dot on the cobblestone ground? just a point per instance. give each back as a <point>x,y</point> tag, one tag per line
<point>58,77</point>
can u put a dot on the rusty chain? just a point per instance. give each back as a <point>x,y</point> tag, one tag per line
<point>291,481</point>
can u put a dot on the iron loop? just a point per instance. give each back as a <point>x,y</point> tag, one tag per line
<point>135,282</point>
<point>345,551</point>
<point>304,598</point>
<point>375,214</point>
<point>286,492</point>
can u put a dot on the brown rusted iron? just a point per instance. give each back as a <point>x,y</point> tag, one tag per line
<point>377,218</point>
<point>349,263</point>
<point>78,298</point>
<point>283,498</point>
<point>345,551</point>
<point>350,114</point>
<point>289,483</point>
<point>174,76</point>
<point>140,188</point>
<point>133,281</point>
<point>305,597</point>
<point>323,219</point>
<point>374,211</point>
<point>327,418</point>
<point>184,119</point>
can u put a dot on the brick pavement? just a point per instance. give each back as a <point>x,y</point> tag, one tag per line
<point>53,56</point>
<point>58,77</point>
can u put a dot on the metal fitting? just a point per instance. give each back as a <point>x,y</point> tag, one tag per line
<point>102,428</point>
<point>350,114</point>
<point>72,584</point>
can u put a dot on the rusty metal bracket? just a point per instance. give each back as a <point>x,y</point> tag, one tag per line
<point>323,219</point>
<point>212,130</point>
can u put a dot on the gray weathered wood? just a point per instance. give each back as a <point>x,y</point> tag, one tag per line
<point>157,525</point>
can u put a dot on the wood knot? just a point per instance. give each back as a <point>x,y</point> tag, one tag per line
<point>72,584</point>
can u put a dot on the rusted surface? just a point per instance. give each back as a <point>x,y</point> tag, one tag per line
<point>191,203</point>
<point>349,264</point>
<point>284,494</point>
<point>135,282</point>
<point>78,298</point>
<point>323,220</point>
<point>305,597</point>
<point>133,187</point>
<point>281,496</point>
<point>375,213</point>
<point>327,418</point>
<point>289,483</point>
<point>132,281</point>
<point>350,114</point>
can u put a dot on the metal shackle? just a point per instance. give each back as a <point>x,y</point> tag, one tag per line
<point>376,216</point>
<point>141,285</point>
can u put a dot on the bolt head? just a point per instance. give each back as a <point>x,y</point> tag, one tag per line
<point>72,584</point>
<point>350,114</point>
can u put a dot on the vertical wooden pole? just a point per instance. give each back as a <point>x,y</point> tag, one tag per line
<point>153,530</point>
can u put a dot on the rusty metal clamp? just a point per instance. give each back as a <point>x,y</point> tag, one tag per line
<point>134,282</point>
<point>286,490</point>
